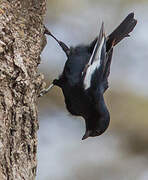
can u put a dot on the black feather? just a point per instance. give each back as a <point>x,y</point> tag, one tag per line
<point>89,103</point>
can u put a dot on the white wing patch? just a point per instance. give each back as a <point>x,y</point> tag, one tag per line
<point>93,63</point>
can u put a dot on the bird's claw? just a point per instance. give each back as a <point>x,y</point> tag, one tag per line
<point>45,91</point>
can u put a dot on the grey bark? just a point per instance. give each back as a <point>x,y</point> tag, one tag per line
<point>21,43</point>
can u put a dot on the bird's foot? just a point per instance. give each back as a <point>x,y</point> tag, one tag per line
<point>62,44</point>
<point>45,91</point>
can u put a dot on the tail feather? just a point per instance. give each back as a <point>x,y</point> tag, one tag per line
<point>121,31</point>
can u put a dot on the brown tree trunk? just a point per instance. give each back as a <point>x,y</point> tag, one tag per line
<point>21,42</point>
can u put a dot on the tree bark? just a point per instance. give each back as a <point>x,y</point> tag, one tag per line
<point>21,43</point>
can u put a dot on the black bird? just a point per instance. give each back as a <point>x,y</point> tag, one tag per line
<point>85,77</point>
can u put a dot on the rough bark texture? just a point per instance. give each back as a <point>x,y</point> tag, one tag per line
<point>21,43</point>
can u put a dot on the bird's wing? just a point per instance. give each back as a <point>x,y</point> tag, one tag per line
<point>96,55</point>
<point>96,60</point>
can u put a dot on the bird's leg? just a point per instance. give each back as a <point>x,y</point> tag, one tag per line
<point>62,44</point>
<point>55,82</point>
<point>45,91</point>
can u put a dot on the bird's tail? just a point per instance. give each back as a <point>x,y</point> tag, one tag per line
<point>121,31</point>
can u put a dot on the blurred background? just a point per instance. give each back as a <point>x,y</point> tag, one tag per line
<point>121,153</point>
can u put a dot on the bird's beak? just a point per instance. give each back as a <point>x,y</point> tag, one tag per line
<point>87,134</point>
<point>91,133</point>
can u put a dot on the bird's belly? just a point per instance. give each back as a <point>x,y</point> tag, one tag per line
<point>74,108</point>
<point>77,104</point>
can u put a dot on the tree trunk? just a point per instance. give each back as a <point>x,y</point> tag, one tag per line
<point>21,42</point>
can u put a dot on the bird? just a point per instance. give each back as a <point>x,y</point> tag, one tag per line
<point>84,79</point>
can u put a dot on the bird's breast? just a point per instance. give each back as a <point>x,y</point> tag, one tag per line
<point>77,103</point>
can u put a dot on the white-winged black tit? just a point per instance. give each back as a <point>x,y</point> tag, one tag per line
<point>85,76</point>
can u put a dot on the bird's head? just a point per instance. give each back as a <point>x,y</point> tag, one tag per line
<point>98,120</point>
